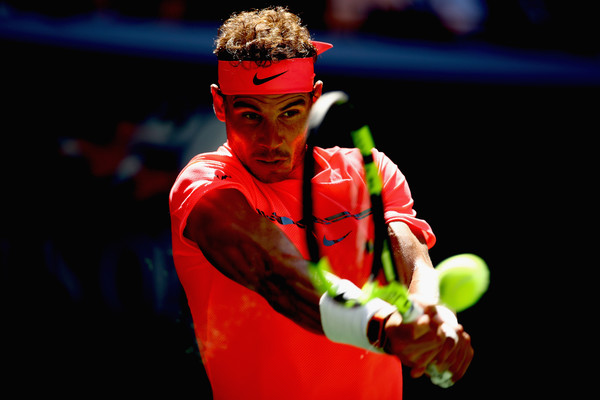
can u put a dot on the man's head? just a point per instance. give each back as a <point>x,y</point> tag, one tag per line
<point>266,89</point>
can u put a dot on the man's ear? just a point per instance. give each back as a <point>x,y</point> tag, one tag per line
<point>218,102</point>
<point>317,91</point>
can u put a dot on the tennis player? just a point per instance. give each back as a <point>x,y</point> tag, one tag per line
<point>239,245</point>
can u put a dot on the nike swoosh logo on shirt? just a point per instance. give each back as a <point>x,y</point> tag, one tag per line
<point>258,81</point>
<point>328,242</point>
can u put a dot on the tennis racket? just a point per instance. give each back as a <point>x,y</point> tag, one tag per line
<point>394,292</point>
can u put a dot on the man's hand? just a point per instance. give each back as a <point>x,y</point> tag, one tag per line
<point>436,337</point>
<point>415,343</point>
<point>433,338</point>
<point>457,353</point>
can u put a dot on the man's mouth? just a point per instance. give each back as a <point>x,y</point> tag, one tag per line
<point>272,161</point>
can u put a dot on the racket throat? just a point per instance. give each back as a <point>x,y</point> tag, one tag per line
<point>384,262</point>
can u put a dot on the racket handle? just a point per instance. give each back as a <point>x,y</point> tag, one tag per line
<point>414,312</point>
<point>442,379</point>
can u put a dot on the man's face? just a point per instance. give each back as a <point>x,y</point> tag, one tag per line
<point>267,132</point>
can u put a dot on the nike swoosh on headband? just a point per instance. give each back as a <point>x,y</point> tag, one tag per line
<point>328,242</point>
<point>258,81</point>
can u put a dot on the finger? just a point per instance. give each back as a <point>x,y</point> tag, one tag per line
<point>454,353</point>
<point>414,330</point>
<point>427,352</point>
<point>417,355</point>
<point>450,336</point>
<point>462,364</point>
<point>429,309</point>
<point>421,327</point>
<point>443,355</point>
<point>459,358</point>
<point>424,360</point>
<point>435,316</point>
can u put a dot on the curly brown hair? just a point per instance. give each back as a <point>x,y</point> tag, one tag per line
<point>263,36</point>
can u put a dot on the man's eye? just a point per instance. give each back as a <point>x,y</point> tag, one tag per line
<point>291,113</point>
<point>251,116</point>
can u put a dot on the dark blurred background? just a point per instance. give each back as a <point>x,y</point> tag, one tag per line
<point>489,107</point>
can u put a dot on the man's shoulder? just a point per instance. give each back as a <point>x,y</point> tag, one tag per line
<point>339,154</point>
<point>338,157</point>
<point>210,169</point>
<point>215,163</point>
<point>222,155</point>
<point>336,151</point>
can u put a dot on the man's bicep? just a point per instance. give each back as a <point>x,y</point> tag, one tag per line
<point>252,251</point>
<point>228,232</point>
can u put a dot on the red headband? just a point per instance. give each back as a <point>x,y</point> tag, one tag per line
<point>293,75</point>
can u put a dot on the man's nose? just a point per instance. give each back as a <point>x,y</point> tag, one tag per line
<point>270,136</point>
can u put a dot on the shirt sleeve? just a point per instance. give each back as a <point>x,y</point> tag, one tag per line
<point>199,177</point>
<point>397,199</point>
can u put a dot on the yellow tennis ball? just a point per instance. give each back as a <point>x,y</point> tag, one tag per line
<point>464,278</point>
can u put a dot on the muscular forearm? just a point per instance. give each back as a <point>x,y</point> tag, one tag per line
<point>413,262</point>
<point>250,250</point>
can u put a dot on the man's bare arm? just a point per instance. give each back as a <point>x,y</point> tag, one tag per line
<point>416,270</point>
<point>413,262</point>
<point>252,251</point>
